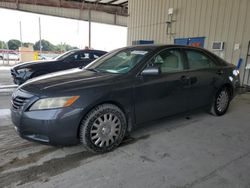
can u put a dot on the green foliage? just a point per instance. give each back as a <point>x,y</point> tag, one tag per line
<point>3,45</point>
<point>14,44</point>
<point>46,45</point>
<point>27,44</point>
<point>64,47</point>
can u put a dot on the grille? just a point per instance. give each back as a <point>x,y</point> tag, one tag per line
<point>18,102</point>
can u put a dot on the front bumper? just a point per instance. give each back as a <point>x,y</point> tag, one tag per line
<point>54,127</point>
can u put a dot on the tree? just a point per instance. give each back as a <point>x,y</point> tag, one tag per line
<point>27,44</point>
<point>46,46</point>
<point>14,44</point>
<point>3,45</point>
<point>64,47</point>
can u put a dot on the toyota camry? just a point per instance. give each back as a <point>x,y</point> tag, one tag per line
<point>101,103</point>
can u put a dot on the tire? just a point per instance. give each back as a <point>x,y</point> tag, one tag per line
<point>221,102</point>
<point>103,128</point>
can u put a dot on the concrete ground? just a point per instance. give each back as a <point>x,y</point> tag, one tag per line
<point>5,76</point>
<point>188,150</point>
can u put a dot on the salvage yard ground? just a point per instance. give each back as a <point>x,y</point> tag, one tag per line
<point>188,150</point>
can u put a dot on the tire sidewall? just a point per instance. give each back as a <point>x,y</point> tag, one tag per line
<point>88,121</point>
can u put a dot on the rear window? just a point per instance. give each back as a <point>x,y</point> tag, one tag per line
<point>198,60</point>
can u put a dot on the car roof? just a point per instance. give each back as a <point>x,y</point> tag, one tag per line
<point>159,46</point>
<point>88,50</point>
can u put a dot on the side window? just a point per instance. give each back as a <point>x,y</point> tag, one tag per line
<point>83,56</point>
<point>79,56</point>
<point>96,56</point>
<point>169,61</point>
<point>198,60</point>
<point>72,57</point>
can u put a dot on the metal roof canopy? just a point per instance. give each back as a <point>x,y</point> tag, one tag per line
<point>113,12</point>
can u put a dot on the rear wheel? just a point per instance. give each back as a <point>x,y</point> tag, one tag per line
<point>221,102</point>
<point>103,129</point>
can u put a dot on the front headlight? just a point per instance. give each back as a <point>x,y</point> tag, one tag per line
<point>55,102</point>
<point>236,72</point>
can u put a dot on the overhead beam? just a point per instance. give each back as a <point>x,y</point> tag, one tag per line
<point>97,5</point>
<point>75,10</point>
<point>124,3</point>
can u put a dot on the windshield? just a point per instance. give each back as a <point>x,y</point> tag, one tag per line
<point>118,62</point>
<point>65,55</point>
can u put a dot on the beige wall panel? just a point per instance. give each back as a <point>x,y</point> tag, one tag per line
<point>238,38</point>
<point>208,21</point>
<point>191,17</point>
<point>181,10</point>
<point>197,18</point>
<point>201,29</point>
<point>217,20</point>
<point>232,31</point>
<point>214,18</point>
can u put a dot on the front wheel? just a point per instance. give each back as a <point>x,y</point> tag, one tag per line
<point>103,129</point>
<point>221,102</point>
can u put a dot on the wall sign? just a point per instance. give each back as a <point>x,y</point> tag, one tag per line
<point>195,41</point>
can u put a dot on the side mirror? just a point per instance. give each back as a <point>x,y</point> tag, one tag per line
<point>151,71</point>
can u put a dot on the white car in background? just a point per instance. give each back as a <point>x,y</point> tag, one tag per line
<point>41,57</point>
<point>9,56</point>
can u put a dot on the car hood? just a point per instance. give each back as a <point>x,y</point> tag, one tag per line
<point>67,81</point>
<point>31,63</point>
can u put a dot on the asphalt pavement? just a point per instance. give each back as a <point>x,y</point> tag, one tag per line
<point>5,76</point>
<point>6,83</point>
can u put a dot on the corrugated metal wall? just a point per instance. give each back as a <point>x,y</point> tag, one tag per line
<point>217,20</point>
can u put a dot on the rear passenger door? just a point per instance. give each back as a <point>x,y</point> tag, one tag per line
<point>202,70</point>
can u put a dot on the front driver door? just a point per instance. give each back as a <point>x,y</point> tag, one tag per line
<point>161,95</point>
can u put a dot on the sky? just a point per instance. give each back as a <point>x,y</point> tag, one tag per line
<point>60,30</point>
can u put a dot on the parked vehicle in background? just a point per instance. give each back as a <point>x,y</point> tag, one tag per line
<point>41,57</point>
<point>68,60</point>
<point>98,105</point>
<point>9,55</point>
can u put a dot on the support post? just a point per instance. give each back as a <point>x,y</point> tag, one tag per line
<point>21,37</point>
<point>40,37</point>
<point>89,28</point>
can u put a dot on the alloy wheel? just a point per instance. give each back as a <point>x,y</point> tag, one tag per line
<point>222,101</point>
<point>105,130</point>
